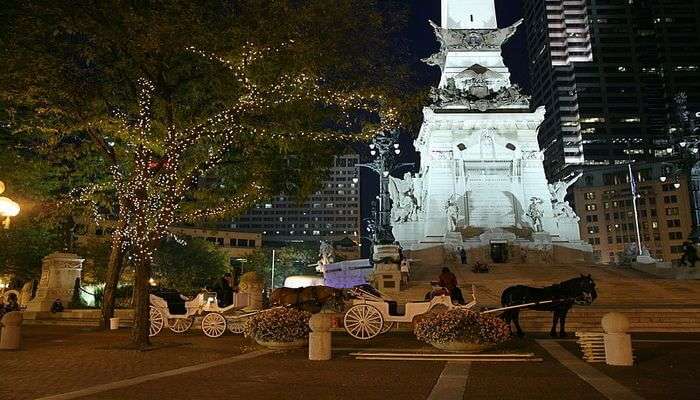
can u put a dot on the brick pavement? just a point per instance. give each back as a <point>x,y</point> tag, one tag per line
<point>59,360</point>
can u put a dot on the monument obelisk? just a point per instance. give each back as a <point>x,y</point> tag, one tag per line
<point>481,164</point>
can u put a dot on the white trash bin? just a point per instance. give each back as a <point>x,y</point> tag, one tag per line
<point>114,323</point>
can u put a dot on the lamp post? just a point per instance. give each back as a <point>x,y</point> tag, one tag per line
<point>8,208</point>
<point>688,147</point>
<point>384,148</point>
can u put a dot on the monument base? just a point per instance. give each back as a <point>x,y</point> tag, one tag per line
<point>58,274</point>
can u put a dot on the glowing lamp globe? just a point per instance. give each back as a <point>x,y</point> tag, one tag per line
<point>615,322</point>
<point>8,208</point>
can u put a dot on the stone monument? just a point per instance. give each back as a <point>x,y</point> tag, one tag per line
<point>58,274</point>
<point>481,164</point>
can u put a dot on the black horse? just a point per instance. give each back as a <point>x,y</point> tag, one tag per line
<point>563,296</point>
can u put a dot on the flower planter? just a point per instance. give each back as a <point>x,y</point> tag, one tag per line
<point>462,347</point>
<point>297,344</point>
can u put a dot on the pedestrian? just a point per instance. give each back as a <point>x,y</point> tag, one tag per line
<point>226,290</point>
<point>523,255</point>
<point>448,280</point>
<point>57,306</point>
<point>463,255</point>
<point>404,273</point>
<point>690,254</point>
<point>12,303</point>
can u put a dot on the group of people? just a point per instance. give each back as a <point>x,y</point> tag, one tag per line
<point>12,304</point>
<point>690,254</point>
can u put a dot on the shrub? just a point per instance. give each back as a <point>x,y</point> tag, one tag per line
<point>278,325</point>
<point>461,325</point>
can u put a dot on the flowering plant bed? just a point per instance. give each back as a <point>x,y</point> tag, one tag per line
<point>283,325</point>
<point>449,328</point>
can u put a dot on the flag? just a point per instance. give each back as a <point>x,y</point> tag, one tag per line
<point>633,183</point>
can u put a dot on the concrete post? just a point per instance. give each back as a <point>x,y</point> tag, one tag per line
<point>320,337</point>
<point>11,331</point>
<point>618,343</point>
<point>252,285</point>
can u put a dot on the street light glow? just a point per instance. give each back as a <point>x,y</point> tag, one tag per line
<point>662,179</point>
<point>676,185</point>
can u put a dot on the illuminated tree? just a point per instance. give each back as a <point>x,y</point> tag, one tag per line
<point>161,167</point>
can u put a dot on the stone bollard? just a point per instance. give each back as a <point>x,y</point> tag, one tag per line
<point>114,323</point>
<point>320,337</point>
<point>252,284</point>
<point>11,331</point>
<point>618,343</point>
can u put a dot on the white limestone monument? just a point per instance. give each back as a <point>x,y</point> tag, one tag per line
<point>481,164</point>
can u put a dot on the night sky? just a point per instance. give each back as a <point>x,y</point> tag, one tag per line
<point>422,43</point>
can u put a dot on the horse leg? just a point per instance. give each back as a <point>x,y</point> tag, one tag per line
<point>562,322</point>
<point>507,318</point>
<point>516,320</point>
<point>555,318</point>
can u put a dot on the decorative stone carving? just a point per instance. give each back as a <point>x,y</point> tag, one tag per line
<point>326,255</point>
<point>58,274</point>
<point>436,60</point>
<point>473,39</point>
<point>535,212</point>
<point>405,198</point>
<point>452,211</point>
<point>478,97</point>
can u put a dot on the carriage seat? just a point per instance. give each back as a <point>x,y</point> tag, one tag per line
<point>394,309</point>
<point>172,299</point>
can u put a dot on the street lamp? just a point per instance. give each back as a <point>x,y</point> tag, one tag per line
<point>8,208</point>
<point>383,149</point>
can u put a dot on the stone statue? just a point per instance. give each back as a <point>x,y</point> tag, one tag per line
<point>498,37</point>
<point>535,211</point>
<point>452,212</point>
<point>405,202</point>
<point>436,60</point>
<point>559,189</point>
<point>326,254</point>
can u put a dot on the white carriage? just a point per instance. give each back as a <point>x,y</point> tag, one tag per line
<point>371,314</point>
<point>215,319</point>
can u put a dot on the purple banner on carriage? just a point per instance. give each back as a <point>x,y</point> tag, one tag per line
<point>346,274</point>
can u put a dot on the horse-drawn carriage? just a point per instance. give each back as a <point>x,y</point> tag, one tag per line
<point>371,314</point>
<point>177,313</point>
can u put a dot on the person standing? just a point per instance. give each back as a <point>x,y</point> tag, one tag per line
<point>463,255</point>
<point>226,290</point>
<point>448,280</point>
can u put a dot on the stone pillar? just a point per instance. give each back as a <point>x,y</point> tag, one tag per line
<point>58,274</point>
<point>252,285</point>
<point>11,331</point>
<point>618,343</point>
<point>320,337</point>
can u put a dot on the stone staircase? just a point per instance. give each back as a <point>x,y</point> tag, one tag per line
<point>651,304</point>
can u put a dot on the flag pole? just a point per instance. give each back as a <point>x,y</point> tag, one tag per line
<point>633,187</point>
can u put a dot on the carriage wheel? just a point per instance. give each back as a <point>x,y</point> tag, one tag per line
<point>236,326</point>
<point>213,325</point>
<point>386,327</point>
<point>180,325</point>
<point>363,321</point>
<point>157,321</point>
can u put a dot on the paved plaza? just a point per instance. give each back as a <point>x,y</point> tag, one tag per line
<point>70,362</point>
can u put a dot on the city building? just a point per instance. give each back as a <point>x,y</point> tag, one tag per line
<point>558,37</point>
<point>330,214</point>
<point>644,53</point>
<point>235,244</point>
<point>603,200</point>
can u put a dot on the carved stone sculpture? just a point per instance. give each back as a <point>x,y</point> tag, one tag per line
<point>535,212</point>
<point>404,199</point>
<point>452,211</point>
<point>326,254</point>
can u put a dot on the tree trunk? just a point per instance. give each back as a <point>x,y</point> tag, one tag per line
<point>140,330</point>
<point>114,270</point>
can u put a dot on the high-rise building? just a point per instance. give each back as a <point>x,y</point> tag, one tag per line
<point>558,37</point>
<point>619,106</point>
<point>331,214</point>
<point>603,199</point>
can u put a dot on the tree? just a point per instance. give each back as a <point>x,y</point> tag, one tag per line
<point>23,247</point>
<point>188,267</point>
<point>126,84</point>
